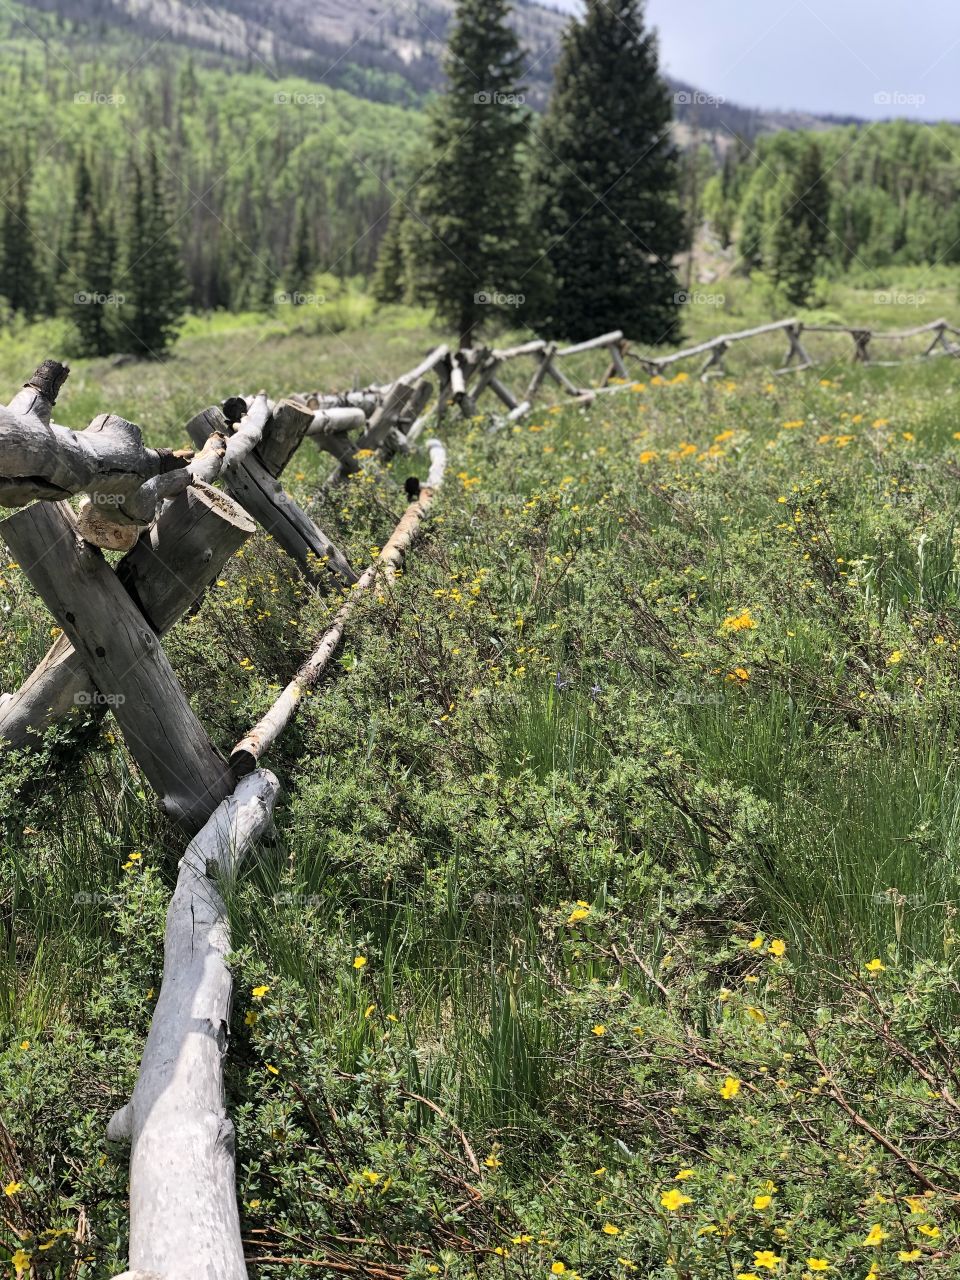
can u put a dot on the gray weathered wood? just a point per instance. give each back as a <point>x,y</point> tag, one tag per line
<point>165,574</point>
<point>125,658</point>
<point>605,340</point>
<point>264,497</point>
<point>536,382</point>
<point>41,460</point>
<point>284,433</point>
<point>335,421</point>
<point>184,1219</point>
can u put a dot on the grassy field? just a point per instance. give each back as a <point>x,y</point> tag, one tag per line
<point>610,923</point>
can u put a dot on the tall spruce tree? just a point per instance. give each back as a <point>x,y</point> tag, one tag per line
<point>94,311</point>
<point>470,245</point>
<point>799,238</point>
<point>19,278</point>
<point>606,183</point>
<point>152,283</point>
<point>389,282</point>
<point>303,258</point>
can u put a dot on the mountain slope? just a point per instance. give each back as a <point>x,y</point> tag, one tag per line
<point>381,50</point>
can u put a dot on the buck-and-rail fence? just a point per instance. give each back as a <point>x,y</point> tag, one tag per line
<point>176,532</point>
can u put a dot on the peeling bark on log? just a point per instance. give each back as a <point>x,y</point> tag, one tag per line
<point>251,749</point>
<point>328,422</point>
<point>365,400</point>
<point>184,1219</point>
<point>123,655</point>
<point>165,574</point>
<point>38,460</point>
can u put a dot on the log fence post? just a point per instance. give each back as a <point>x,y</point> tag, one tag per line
<point>165,574</point>
<point>124,657</point>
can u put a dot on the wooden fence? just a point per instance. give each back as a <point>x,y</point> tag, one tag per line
<point>177,532</point>
<point>467,375</point>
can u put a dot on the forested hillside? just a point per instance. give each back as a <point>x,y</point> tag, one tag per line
<point>268,180</point>
<point>889,195</point>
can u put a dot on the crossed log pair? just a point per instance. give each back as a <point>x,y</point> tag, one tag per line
<point>109,655</point>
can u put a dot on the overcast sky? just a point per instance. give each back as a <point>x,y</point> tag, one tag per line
<point>828,56</point>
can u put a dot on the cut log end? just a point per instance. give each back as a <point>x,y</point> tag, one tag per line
<point>243,760</point>
<point>99,530</point>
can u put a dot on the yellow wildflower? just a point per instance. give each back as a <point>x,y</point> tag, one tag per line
<point>673,1200</point>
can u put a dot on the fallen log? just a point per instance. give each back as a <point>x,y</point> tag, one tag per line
<point>251,749</point>
<point>184,1219</point>
<point>165,574</point>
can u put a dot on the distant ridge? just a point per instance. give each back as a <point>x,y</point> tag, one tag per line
<point>384,51</point>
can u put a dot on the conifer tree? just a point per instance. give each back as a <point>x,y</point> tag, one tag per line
<point>606,182</point>
<point>303,258</point>
<point>389,278</point>
<point>152,283</point>
<point>470,247</point>
<point>19,278</point>
<point>798,240</point>
<point>94,312</point>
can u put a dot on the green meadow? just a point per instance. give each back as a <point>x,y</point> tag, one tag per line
<point>609,924</point>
